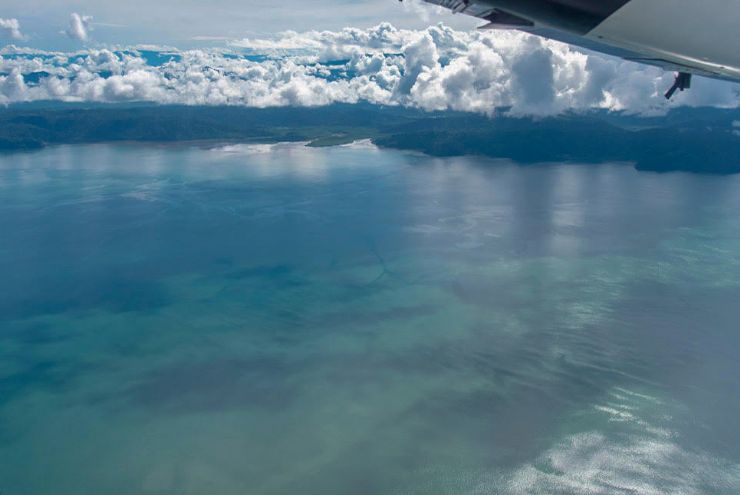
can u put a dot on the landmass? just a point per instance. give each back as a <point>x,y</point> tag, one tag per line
<point>703,140</point>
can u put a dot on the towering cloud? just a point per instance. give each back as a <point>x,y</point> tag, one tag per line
<point>79,27</point>
<point>10,29</point>
<point>434,69</point>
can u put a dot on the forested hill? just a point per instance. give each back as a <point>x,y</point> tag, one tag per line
<point>697,140</point>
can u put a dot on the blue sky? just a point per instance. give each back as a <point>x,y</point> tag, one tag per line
<point>180,22</point>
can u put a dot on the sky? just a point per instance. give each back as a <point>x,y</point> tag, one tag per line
<point>260,53</point>
<point>182,22</point>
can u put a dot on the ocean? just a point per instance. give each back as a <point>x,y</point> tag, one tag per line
<point>278,319</point>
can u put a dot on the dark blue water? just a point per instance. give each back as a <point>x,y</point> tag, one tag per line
<point>285,320</point>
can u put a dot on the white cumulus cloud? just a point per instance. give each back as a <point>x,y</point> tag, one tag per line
<point>10,28</point>
<point>79,27</point>
<point>437,68</point>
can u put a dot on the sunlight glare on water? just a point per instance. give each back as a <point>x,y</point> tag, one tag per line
<point>272,319</point>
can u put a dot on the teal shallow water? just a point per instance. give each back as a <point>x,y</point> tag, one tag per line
<point>285,320</point>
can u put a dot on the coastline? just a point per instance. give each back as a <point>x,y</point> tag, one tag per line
<point>703,141</point>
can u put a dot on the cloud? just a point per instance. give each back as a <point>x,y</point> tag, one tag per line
<point>79,27</point>
<point>422,9</point>
<point>331,45</point>
<point>532,76</point>
<point>208,38</point>
<point>10,28</point>
<point>437,68</point>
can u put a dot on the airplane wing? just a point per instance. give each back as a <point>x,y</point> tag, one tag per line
<point>685,36</point>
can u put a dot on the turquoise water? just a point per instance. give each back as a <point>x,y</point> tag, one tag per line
<point>262,319</point>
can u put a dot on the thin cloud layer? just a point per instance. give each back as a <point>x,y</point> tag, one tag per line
<point>434,69</point>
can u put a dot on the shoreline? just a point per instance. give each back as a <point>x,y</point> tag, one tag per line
<point>704,141</point>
